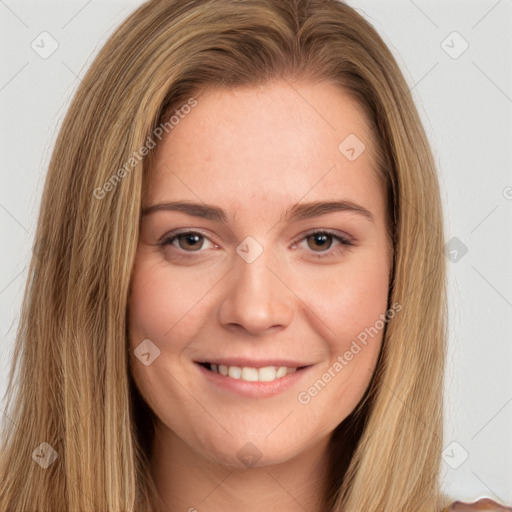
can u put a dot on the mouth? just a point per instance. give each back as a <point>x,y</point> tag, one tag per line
<point>251,373</point>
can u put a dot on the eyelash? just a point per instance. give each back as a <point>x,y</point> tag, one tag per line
<point>344,242</point>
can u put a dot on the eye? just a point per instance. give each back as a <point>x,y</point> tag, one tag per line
<point>187,241</point>
<point>321,241</point>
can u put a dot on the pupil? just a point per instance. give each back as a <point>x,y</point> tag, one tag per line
<point>321,239</point>
<point>192,239</point>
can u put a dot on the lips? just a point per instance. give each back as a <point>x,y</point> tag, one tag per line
<point>253,370</point>
<point>250,373</point>
<point>253,363</point>
<point>251,378</point>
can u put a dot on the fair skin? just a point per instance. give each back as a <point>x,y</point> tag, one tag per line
<point>255,152</point>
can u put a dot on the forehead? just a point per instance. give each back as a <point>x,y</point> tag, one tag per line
<point>262,145</point>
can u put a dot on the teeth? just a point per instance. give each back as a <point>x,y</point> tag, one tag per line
<point>265,374</point>
<point>282,371</point>
<point>235,372</point>
<point>268,373</point>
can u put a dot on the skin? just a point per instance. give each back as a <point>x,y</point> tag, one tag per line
<point>287,303</point>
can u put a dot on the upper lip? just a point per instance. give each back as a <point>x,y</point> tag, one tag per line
<point>254,363</point>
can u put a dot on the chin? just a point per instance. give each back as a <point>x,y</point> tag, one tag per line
<point>240,452</point>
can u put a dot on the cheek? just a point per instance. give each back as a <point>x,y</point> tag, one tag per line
<point>164,303</point>
<point>347,298</point>
<point>165,308</point>
<point>348,306</point>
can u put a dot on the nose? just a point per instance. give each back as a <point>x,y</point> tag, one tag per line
<point>258,298</point>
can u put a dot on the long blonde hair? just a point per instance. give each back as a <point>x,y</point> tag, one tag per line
<point>74,389</point>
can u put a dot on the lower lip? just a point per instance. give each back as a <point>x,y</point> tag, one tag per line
<point>254,389</point>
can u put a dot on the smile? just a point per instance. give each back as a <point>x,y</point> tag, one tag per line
<point>253,378</point>
<point>250,374</point>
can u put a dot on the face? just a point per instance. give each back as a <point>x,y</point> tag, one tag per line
<point>262,266</point>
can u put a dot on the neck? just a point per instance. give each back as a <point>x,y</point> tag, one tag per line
<point>186,481</point>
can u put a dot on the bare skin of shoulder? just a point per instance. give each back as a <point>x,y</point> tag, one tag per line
<point>480,505</point>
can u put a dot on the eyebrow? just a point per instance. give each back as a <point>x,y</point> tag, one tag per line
<point>296,212</point>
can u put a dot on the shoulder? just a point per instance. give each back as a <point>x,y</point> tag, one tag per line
<point>477,506</point>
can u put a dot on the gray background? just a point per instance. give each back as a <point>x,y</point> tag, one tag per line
<point>465,100</point>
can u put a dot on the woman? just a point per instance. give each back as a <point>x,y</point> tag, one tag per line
<point>238,294</point>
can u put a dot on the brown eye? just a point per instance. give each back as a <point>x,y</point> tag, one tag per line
<point>190,241</point>
<point>323,244</point>
<point>321,241</point>
<point>186,241</point>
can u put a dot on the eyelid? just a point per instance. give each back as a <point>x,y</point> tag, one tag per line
<point>345,241</point>
<point>299,238</point>
<point>334,233</point>
<point>184,231</point>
